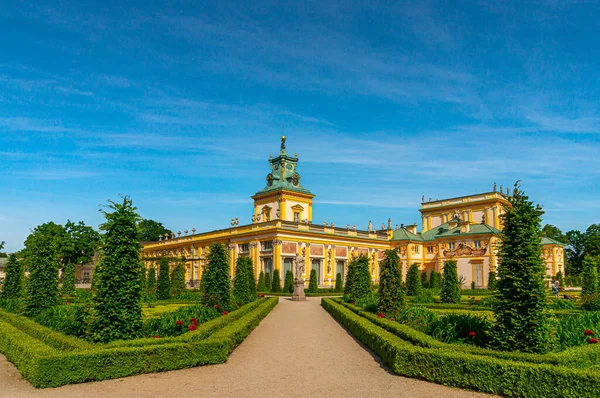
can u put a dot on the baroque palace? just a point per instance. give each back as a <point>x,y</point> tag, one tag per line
<point>464,229</point>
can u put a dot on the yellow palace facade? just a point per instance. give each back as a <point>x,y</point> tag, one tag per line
<point>463,229</point>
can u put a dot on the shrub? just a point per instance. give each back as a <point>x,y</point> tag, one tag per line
<point>473,285</point>
<point>590,302</point>
<point>252,294</point>
<point>390,296</point>
<point>425,296</point>
<point>151,283</point>
<point>178,277</point>
<point>166,324</point>
<point>361,283</point>
<point>450,286</point>
<point>491,280</point>
<point>313,286</point>
<point>216,278</point>
<point>163,289</point>
<point>522,322</point>
<point>461,328</point>
<point>68,280</point>
<point>268,282</point>
<point>418,318</point>
<point>288,286</point>
<point>560,278</point>
<point>276,283</point>
<point>116,311</point>
<point>12,288</point>
<point>261,286</point>
<point>571,330</point>
<point>557,304</point>
<point>424,280</point>
<point>350,275</point>
<point>590,277</point>
<point>243,283</point>
<point>435,280</point>
<point>143,278</point>
<point>413,282</point>
<point>368,303</point>
<point>338,282</point>
<point>67,319</point>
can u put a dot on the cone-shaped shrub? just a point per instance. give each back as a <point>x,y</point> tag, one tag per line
<point>116,311</point>
<point>261,287</point>
<point>151,282</point>
<point>252,295</point>
<point>492,280</point>
<point>178,277</point>
<point>217,289</point>
<point>313,284</point>
<point>413,281</point>
<point>12,288</point>
<point>68,280</point>
<point>143,276</point>
<point>424,280</point>
<point>522,322</point>
<point>589,284</point>
<point>450,285</point>
<point>338,282</point>
<point>350,276</point>
<point>435,280</point>
<point>276,283</point>
<point>390,297</point>
<point>288,286</point>
<point>163,290</point>
<point>243,281</point>
<point>268,282</point>
<point>361,284</point>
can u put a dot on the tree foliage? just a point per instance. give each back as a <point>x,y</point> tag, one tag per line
<point>450,284</point>
<point>43,256</point>
<point>150,230</point>
<point>361,281</point>
<point>424,279</point>
<point>276,283</point>
<point>350,275</point>
<point>151,280</point>
<point>163,288</point>
<point>116,311</point>
<point>81,243</point>
<point>413,281</point>
<point>390,297</point>
<point>435,280</point>
<point>492,280</point>
<point>68,279</point>
<point>12,288</point>
<point>338,282</point>
<point>243,282</point>
<point>261,286</point>
<point>268,281</point>
<point>574,252</point>
<point>522,322</point>
<point>178,277</point>
<point>553,232</point>
<point>288,285</point>
<point>589,276</point>
<point>217,285</point>
<point>313,284</point>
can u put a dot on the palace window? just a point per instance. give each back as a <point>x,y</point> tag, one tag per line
<point>477,244</point>
<point>244,247</point>
<point>416,249</point>
<point>451,245</point>
<point>296,216</point>
<point>429,249</point>
<point>267,245</point>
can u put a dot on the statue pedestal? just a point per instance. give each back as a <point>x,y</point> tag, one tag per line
<point>298,290</point>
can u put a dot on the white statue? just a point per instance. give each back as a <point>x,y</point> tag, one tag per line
<point>300,267</point>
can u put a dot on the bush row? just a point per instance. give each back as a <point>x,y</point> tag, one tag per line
<point>446,365</point>
<point>211,343</point>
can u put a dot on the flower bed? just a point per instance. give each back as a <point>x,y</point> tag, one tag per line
<point>411,353</point>
<point>50,359</point>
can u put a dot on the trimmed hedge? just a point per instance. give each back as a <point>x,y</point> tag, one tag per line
<point>45,366</point>
<point>444,364</point>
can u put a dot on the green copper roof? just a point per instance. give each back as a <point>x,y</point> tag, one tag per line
<point>444,231</point>
<point>550,241</point>
<point>404,234</point>
<point>290,180</point>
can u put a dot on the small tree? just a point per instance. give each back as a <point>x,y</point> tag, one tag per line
<point>276,284</point>
<point>163,290</point>
<point>390,297</point>
<point>435,280</point>
<point>178,277</point>
<point>252,295</point>
<point>268,282</point>
<point>288,286</point>
<point>241,281</point>
<point>151,283</point>
<point>68,280</point>
<point>12,288</point>
<point>261,287</point>
<point>217,289</point>
<point>313,285</point>
<point>361,285</point>
<point>338,282</point>
<point>143,277</point>
<point>522,322</point>
<point>492,280</point>
<point>450,285</point>
<point>590,277</point>
<point>350,276</point>
<point>116,311</point>
<point>424,280</point>
<point>413,281</point>
<point>559,276</point>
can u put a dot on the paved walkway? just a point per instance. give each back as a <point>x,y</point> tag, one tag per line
<point>299,350</point>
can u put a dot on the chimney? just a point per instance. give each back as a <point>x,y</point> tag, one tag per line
<point>465,226</point>
<point>412,228</point>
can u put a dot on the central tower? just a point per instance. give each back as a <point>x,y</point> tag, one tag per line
<point>283,198</point>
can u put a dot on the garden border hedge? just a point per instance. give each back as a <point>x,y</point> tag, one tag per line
<point>444,364</point>
<point>45,366</point>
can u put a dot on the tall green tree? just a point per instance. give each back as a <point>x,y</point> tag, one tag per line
<point>79,246</point>
<point>450,284</point>
<point>350,275</point>
<point>252,294</point>
<point>268,282</point>
<point>390,297</point>
<point>361,284</point>
<point>261,286</point>
<point>338,282</point>
<point>553,232</point>
<point>43,257</point>
<point>288,285</point>
<point>178,277</point>
<point>589,280</point>
<point>150,230</point>
<point>276,283</point>
<point>313,284</point>
<point>151,282</point>
<point>2,254</point>
<point>143,277</point>
<point>116,310</point>
<point>492,280</point>
<point>163,288</point>
<point>592,240</point>
<point>522,322</point>
<point>13,283</point>
<point>413,281</point>
<point>435,280</point>
<point>217,285</point>
<point>242,283</point>
<point>574,252</point>
<point>68,279</point>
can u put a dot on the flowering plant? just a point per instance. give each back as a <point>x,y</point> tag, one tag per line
<point>225,312</point>
<point>588,332</point>
<point>593,340</point>
<point>192,327</point>
<point>472,334</point>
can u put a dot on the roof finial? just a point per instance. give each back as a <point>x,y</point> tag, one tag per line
<point>282,141</point>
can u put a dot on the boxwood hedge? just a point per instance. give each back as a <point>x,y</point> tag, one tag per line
<point>50,359</point>
<point>411,353</point>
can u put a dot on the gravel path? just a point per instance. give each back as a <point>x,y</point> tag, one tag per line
<point>299,350</point>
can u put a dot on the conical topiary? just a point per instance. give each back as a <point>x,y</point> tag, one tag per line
<point>390,297</point>
<point>361,285</point>
<point>163,290</point>
<point>450,286</point>
<point>268,282</point>
<point>276,284</point>
<point>313,284</point>
<point>413,280</point>
<point>338,282</point>
<point>288,286</point>
<point>261,286</point>
<point>589,283</point>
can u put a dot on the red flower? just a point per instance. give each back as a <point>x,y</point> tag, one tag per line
<point>380,315</point>
<point>178,322</point>
<point>238,304</point>
<point>156,337</point>
<point>217,306</point>
<point>262,295</point>
<point>593,340</point>
<point>476,301</point>
<point>392,319</point>
<point>588,333</point>
<point>193,320</point>
<point>192,327</point>
<point>472,334</point>
<point>225,312</point>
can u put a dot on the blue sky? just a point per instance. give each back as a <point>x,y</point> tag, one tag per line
<point>180,105</point>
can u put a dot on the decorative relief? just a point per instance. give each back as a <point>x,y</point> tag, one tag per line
<point>341,252</point>
<point>289,247</point>
<point>316,250</point>
<point>464,250</point>
<point>363,251</point>
<point>277,242</point>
